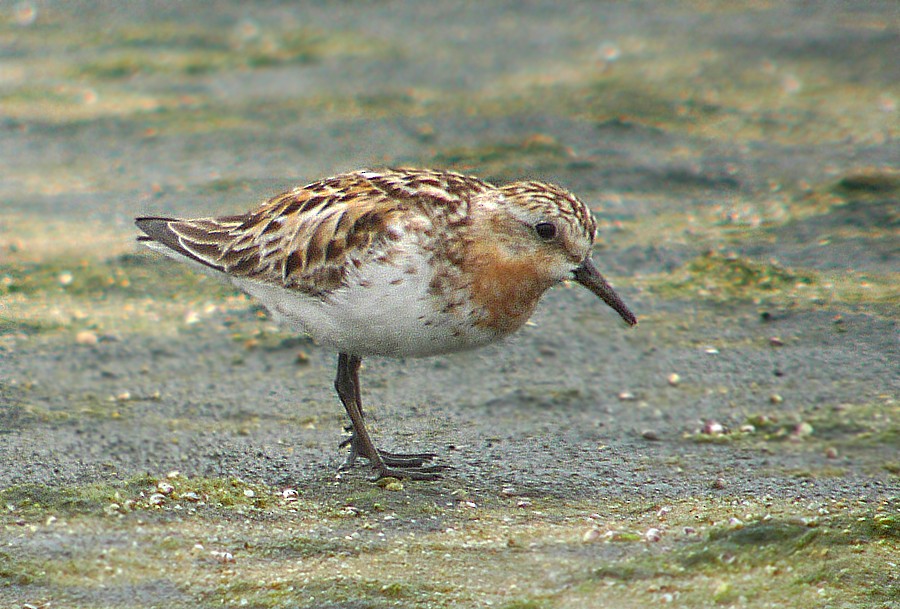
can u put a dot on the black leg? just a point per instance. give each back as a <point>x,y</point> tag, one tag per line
<point>346,383</point>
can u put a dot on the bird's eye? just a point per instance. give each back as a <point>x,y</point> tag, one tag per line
<point>545,230</point>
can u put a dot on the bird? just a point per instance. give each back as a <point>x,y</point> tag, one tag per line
<point>402,262</point>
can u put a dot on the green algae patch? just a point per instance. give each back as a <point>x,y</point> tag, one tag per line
<point>95,299</point>
<point>172,49</point>
<point>526,604</point>
<point>858,426</point>
<point>127,275</point>
<point>76,103</point>
<point>138,494</point>
<point>727,277</point>
<point>758,543</point>
<point>724,277</point>
<point>35,500</point>
<point>105,75</point>
<point>182,49</point>
<point>509,160</point>
<point>834,437</point>
<point>211,56</point>
<point>224,548</point>
<point>767,561</point>
<point>15,571</point>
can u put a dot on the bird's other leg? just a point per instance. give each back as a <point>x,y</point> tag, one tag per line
<point>346,383</point>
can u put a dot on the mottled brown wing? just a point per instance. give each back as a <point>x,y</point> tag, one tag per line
<point>305,239</point>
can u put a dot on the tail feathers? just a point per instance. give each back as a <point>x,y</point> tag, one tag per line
<point>159,232</point>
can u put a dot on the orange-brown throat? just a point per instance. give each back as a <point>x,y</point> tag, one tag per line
<point>505,288</point>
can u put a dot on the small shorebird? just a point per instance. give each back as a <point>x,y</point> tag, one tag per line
<point>406,262</point>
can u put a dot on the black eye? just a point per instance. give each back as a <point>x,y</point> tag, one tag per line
<point>545,230</point>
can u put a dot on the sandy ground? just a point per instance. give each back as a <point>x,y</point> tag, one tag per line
<point>742,161</point>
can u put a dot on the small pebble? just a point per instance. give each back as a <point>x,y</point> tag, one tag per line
<point>802,430</point>
<point>626,396</point>
<point>713,428</point>
<point>191,496</point>
<point>86,337</point>
<point>674,379</point>
<point>776,399</point>
<point>523,503</point>
<point>396,485</point>
<point>649,434</point>
<point>302,358</point>
<point>164,487</point>
<point>653,535</point>
<point>719,483</point>
<point>248,492</point>
<point>223,557</point>
<point>590,535</point>
<point>811,522</point>
<point>831,453</point>
<point>156,499</point>
<point>290,494</point>
<point>776,342</point>
<point>65,278</point>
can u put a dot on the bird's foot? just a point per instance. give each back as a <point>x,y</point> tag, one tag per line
<point>388,458</point>
<point>428,472</point>
<point>398,465</point>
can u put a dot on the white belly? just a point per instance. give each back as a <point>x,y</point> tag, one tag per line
<point>387,310</point>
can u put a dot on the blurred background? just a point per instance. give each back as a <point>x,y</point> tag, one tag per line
<point>742,161</point>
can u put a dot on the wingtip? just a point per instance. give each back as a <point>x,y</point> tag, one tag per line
<point>144,222</point>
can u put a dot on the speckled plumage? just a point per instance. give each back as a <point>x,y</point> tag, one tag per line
<point>397,262</point>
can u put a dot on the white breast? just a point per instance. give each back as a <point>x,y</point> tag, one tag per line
<point>385,309</point>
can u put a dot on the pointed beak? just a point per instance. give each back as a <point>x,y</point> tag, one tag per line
<point>588,276</point>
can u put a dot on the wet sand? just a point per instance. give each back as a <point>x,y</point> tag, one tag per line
<point>742,161</point>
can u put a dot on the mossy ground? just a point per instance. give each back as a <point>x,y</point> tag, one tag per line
<point>746,189</point>
<point>226,541</point>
